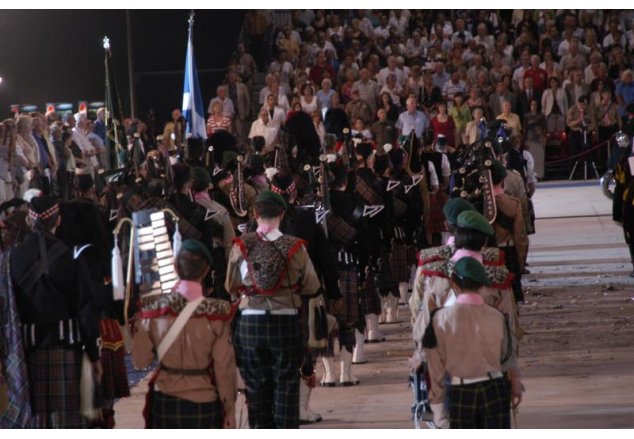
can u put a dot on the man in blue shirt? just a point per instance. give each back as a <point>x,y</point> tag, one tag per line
<point>412,119</point>
<point>99,127</point>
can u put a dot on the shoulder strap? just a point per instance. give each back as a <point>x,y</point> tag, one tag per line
<point>429,338</point>
<point>177,327</point>
<point>37,271</point>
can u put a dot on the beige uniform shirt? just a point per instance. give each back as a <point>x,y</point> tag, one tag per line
<point>205,340</point>
<point>471,342</point>
<point>300,273</point>
<point>512,208</point>
<point>223,219</point>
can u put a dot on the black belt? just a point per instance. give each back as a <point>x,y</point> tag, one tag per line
<point>185,372</point>
<point>61,333</point>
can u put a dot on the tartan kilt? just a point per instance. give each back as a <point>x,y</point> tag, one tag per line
<point>400,261</point>
<point>349,314</point>
<point>54,376</point>
<point>370,302</point>
<point>480,405</point>
<point>171,412</point>
<point>114,383</point>
<point>436,217</point>
<point>388,283</point>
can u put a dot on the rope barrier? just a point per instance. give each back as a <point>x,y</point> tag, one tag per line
<point>576,156</point>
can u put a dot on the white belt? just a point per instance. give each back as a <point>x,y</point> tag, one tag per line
<point>509,243</point>
<point>457,381</point>
<point>273,312</point>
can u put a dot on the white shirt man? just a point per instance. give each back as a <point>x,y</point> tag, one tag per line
<point>262,127</point>
<point>412,120</point>
<point>393,69</point>
<point>80,138</point>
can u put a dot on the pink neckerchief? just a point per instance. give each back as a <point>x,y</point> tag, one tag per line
<point>470,299</point>
<point>463,252</point>
<point>202,196</point>
<point>451,240</point>
<point>498,190</point>
<point>189,289</point>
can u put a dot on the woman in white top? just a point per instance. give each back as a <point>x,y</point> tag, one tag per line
<point>308,100</point>
<point>554,106</point>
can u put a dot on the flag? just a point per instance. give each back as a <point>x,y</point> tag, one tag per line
<point>115,134</point>
<point>192,98</point>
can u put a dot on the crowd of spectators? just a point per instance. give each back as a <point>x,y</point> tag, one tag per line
<point>546,72</point>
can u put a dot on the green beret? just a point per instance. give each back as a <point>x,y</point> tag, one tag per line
<point>200,177</point>
<point>474,220</point>
<point>470,268</point>
<point>197,248</point>
<point>228,157</point>
<point>498,171</point>
<point>455,207</point>
<point>268,196</point>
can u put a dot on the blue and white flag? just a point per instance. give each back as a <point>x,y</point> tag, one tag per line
<point>193,111</point>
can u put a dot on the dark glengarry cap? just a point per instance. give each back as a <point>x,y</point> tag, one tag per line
<point>470,268</point>
<point>269,196</point>
<point>455,207</point>
<point>474,220</point>
<point>364,150</point>
<point>197,248</point>
<point>498,171</point>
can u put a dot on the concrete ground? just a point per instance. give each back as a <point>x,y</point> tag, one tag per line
<point>576,355</point>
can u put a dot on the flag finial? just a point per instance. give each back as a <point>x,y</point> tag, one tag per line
<point>191,18</point>
<point>106,43</point>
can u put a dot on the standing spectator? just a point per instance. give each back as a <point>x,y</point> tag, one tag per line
<point>240,96</point>
<point>391,69</point>
<point>100,124</point>
<point>383,130</point>
<point>512,120</point>
<point>576,88</point>
<point>319,127</point>
<point>555,106</point>
<point>476,68</point>
<point>484,38</point>
<point>518,74</point>
<point>539,75</point>
<point>440,77</point>
<point>475,100</point>
<point>368,89</point>
<point>430,95</point>
<point>325,93</point>
<point>453,86</point>
<point>535,136</point>
<point>412,120</point>
<point>526,96</point>
<point>472,132</point>
<point>501,95</point>
<point>347,86</point>
<point>216,120</point>
<point>358,108</point>
<point>336,118</point>
<point>288,43</point>
<point>607,121</point>
<point>262,127</point>
<point>282,66</point>
<point>551,66</point>
<point>444,125</point>
<point>461,115</point>
<point>277,115</point>
<point>391,110</point>
<point>625,92</point>
<point>256,26</point>
<point>227,105</point>
<point>592,71</point>
<point>394,89</point>
<point>308,100</point>
<point>574,58</point>
<point>319,71</point>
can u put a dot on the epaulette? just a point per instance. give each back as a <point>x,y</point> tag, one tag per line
<point>491,256</point>
<point>173,303</point>
<point>499,275</point>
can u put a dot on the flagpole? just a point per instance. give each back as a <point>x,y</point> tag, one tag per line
<point>192,98</point>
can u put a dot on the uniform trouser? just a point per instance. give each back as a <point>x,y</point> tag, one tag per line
<point>270,352</point>
<point>481,405</point>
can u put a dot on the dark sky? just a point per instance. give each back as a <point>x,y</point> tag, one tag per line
<point>57,56</point>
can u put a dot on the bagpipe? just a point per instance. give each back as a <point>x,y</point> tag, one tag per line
<point>472,179</point>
